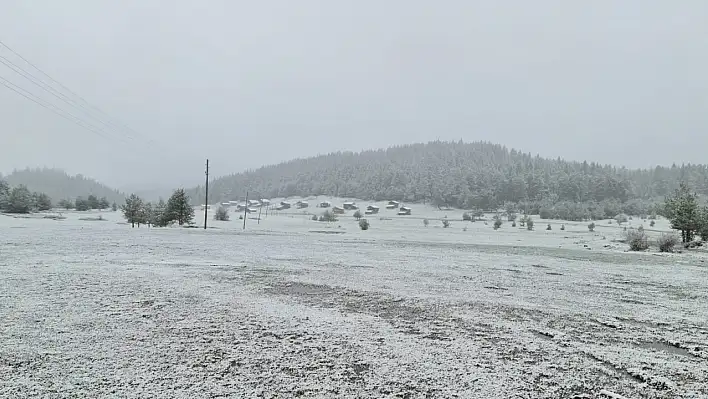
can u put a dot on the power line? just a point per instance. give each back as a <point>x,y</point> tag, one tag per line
<point>42,85</point>
<point>116,124</point>
<point>53,108</point>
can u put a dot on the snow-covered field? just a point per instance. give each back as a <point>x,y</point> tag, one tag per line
<point>291,307</point>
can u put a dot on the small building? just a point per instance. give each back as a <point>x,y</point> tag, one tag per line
<point>265,202</point>
<point>206,206</point>
<point>302,204</point>
<point>251,210</point>
<point>254,203</point>
<point>404,210</point>
<point>350,206</point>
<point>226,204</point>
<point>324,204</point>
<point>240,207</point>
<point>393,205</point>
<point>283,205</point>
<point>372,209</point>
<point>337,210</point>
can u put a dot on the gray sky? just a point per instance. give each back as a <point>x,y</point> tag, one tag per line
<point>247,83</point>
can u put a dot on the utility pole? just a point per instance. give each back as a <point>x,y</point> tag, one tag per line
<point>206,196</point>
<point>245,212</point>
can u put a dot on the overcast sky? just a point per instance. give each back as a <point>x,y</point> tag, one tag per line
<point>247,83</point>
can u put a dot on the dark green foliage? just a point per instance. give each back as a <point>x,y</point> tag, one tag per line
<point>363,224</point>
<point>158,215</point>
<point>465,175</point>
<point>222,214</point>
<point>20,200</point>
<point>548,227</point>
<point>114,207</point>
<point>466,217</point>
<point>103,203</point>
<point>93,202</point>
<point>591,227</point>
<point>562,227</point>
<point>57,184</point>
<point>178,208</point>
<point>82,204</point>
<point>497,224</point>
<point>682,210</point>
<point>133,210</point>
<point>4,195</point>
<point>42,202</point>
<point>65,204</point>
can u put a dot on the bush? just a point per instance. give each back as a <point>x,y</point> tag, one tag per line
<point>636,239</point>
<point>314,217</point>
<point>545,213</point>
<point>621,218</point>
<point>548,227</point>
<point>591,227</point>
<point>513,223</point>
<point>497,224</point>
<point>446,223</point>
<point>667,242</point>
<point>222,214</point>
<point>511,217</point>
<point>357,215</point>
<point>562,227</point>
<point>652,223</point>
<point>363,224</point>
<point>529,224</point>
<point>466,217</point>
<point>328,216</point>
<point>426,222</point>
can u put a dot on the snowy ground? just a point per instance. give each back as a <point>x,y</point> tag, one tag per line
<point>296,308</point>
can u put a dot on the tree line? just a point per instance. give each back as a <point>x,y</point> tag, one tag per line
<point>20,199</point>
<point>475,175</point>
<point>57,184</point>
<point>89,203</point>
<point>177,209</point>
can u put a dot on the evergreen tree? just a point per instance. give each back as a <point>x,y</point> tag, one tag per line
<point>133,210</point>
<point>82,204</point>
<point>158,217</point>
<point>103,203</point>
<point>114,207</point>
<point>178,208</point>
<point>65,204</point>
<point>682,210</point>
<point>4,194</point>
<point>93,202</point>
<point>20,200</point>
<point>42,202</point>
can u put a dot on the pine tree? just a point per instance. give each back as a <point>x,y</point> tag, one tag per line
<point>93,202</point>
<point>178,208</point>
<point>159,217</point>
<point>42,202</point>
<point>103,203</point>
<point>133,210</point>
<point>65,204</point>
<point>20,200</point>
<point>682,210</point>
<point>4,194</point>
<point>82,204</point>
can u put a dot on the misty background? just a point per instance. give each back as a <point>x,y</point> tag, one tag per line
<point>250,83</point>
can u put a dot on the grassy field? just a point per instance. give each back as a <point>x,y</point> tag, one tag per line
<point>291,307</point>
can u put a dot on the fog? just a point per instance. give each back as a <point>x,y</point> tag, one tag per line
<point>247,83</point>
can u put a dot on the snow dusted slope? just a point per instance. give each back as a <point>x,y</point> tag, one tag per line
<point>96,309</point>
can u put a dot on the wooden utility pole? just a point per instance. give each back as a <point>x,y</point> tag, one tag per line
<point>259,213</point>
<point>245,212</point>
<point>206,196</point>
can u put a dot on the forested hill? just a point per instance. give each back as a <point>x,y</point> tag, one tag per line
<point>476,175</point>
<point>58,185</point>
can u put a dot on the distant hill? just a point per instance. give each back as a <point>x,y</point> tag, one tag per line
<point>59,185</point>
<point>466,175</point>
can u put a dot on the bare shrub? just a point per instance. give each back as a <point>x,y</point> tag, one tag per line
<point>222,214</point>
<point>667,242</point>
<point>636,239</point>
